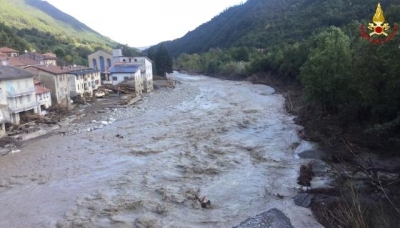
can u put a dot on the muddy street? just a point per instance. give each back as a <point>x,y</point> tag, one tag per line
<point>230,142</point>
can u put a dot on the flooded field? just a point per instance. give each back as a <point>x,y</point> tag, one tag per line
<point>230,142</point>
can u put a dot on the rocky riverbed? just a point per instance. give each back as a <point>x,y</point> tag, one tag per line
<point>150,164</point>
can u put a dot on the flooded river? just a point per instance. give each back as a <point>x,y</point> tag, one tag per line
<point>230,142</point>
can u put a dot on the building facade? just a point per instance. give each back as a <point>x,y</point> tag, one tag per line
<point>102,61</point>
<point>146,68</point>
<point>43,96</point>
<point>57,80</point>
<point>17,94</point>
<point>9,52</point>
<point>42,59</point>
<point>84,81</point>
<point>127,73</point>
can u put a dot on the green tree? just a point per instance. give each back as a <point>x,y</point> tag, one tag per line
<point>163,61</point>
<point>325,74</point>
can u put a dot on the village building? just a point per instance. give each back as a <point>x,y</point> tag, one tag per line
<point>146,68</point>
<point>147,73</point>
<point>17,95</point>
<point>9,52</point>
<point>20,61</point>
<point>57,80</point>
<point>117,59</point>
<point>42,59</point>
<point>84,80</point>
<point>128,73</point>
<point>43,96</point>
<point>102,61</point>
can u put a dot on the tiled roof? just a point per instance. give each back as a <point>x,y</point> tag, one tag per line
<point>38,56</point>
<point>51,69</point>
<point>83,71</point>
<point>8,50</point>
<point>49,57</point>
<point>39,89</point>
<point>19,61</point>
<point>124,68</point>
<point>10,72</point>
<point>106,52</point>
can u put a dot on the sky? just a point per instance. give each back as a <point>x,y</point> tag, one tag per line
<point>146,22</point>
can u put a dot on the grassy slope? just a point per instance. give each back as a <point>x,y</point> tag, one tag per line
<point>18,14</point>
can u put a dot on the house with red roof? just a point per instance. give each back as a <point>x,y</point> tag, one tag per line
<point>43,95</point>
<point>42,59</point>
<point>9,52</point>
<point>56,79</point>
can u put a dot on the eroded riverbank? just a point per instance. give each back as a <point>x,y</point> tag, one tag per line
<point>232,142</point>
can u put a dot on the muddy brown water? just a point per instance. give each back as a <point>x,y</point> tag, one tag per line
<point>232,143</point>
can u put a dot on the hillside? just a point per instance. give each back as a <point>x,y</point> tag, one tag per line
<point>265,23</point>
<point>40,15</point>
<point>37,25</point>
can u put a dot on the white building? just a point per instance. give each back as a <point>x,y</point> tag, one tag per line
<point>84,81</point>
<point>17,94</point>
<point>102,61</point>
<point>43,96</point>
<point>127,72</point>
<point>146,67</point>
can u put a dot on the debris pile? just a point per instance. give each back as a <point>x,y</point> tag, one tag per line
<point>123,88</point>
<point>306,175</point>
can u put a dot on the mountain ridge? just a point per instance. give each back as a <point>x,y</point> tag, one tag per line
<point>44,17</point>
<point>266,23</point>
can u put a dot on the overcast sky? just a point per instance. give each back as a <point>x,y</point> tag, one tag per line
<point>145,22</point>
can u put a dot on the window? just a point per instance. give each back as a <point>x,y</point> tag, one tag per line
<point>29,98</point>
<point>95,64</point>
<point>126,78</point>
<point>115,78</point>
<point>102,64</point>
<point>20,100</point>
<point>26,83</point>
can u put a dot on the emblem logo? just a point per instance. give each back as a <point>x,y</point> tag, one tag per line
<point>378,28</point>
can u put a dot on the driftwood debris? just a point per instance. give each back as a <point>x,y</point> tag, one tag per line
<point>123,88</point>
<point>203,202</point>
<point>306,175</point>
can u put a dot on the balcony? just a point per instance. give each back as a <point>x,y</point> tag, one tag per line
<point>23,107</point>
<point>21,92</point>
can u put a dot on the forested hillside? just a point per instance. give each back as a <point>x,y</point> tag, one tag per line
<point>265,23</point>
<point>37,25</point>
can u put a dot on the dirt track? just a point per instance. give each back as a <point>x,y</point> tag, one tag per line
<point>229,141</point>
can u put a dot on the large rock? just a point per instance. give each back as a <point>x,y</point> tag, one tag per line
<point>303,199</point>
<point>313,154</point>
<point>273,218</point>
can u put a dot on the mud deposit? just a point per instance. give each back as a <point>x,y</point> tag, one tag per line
<point>231,142</point>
